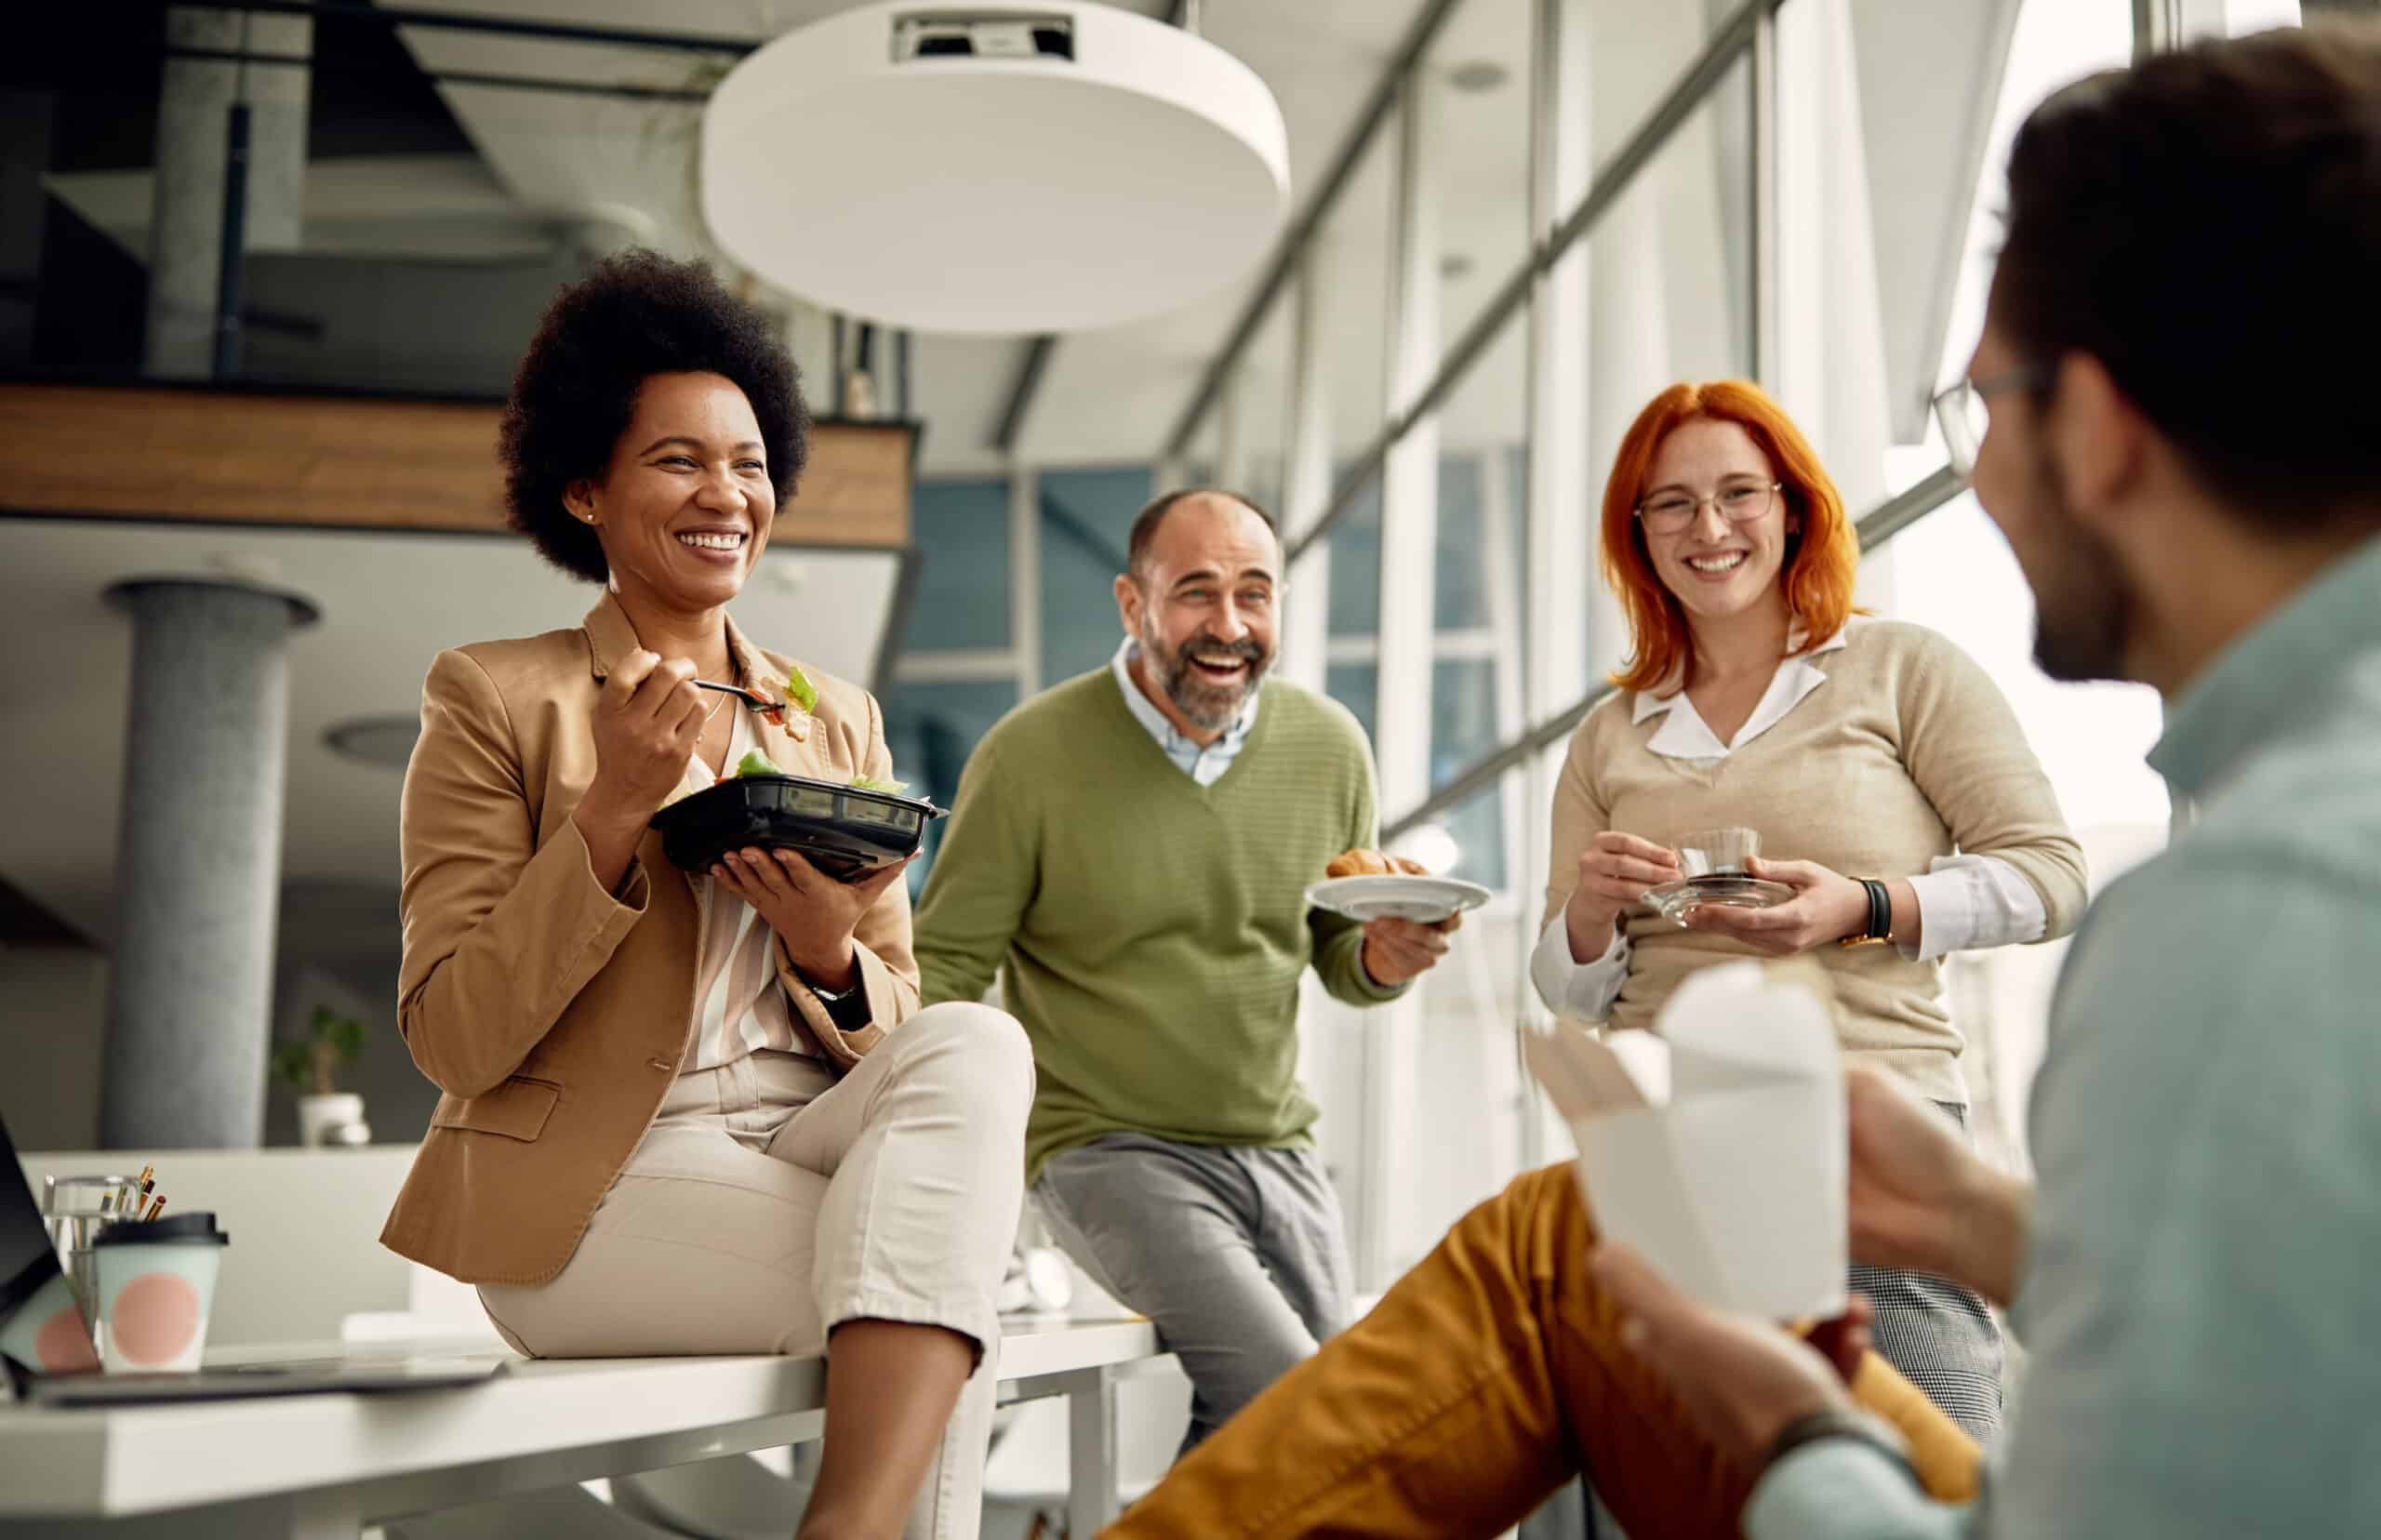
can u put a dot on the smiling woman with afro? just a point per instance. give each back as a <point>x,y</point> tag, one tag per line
<point>699,1112</point>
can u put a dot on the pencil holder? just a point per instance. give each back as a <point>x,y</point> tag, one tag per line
<point>75,1209</point>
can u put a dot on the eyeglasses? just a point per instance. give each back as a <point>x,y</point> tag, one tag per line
<point>1739,502</point>
<point>1964,411</point>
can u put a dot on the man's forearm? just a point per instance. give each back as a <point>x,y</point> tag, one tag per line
<point>1339,962</point>
<point>1988,1250</point>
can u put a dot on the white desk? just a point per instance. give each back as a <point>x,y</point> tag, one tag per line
<point>313,1467</point>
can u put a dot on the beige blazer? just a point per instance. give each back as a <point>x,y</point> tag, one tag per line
<point>554,1015</point>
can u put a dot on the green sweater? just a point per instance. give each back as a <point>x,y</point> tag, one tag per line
<point>1153,931</point>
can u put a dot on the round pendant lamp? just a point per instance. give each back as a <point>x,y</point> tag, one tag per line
<point>1045,167</point>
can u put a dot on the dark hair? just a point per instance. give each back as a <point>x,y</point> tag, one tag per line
<point>1146,522</point>
<point>634,315</point>
<point>2207,224</point>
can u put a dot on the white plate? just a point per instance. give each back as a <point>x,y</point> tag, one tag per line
<point>1424,899</point>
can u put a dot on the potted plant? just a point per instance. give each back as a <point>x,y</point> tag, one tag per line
<point>326,1114</point>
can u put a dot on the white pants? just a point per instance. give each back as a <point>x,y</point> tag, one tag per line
<point>770,1202</point>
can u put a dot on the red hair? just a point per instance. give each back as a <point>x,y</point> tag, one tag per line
<point>1822,563</point>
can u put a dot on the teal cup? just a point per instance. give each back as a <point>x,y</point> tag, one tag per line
<point>153,1288</point>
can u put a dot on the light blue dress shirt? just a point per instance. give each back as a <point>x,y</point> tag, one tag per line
<point>1205,765</point>
<point>2202,1299</point>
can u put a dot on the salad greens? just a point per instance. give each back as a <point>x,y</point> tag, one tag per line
<point>799,690</point>
<point>757,764</point>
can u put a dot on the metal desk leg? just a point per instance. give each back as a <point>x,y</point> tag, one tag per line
<point>1091,1452</point>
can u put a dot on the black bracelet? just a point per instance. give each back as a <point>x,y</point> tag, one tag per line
<point>1835,1423</point>
<point>1881,910</point>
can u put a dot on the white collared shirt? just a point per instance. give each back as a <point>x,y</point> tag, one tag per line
<point>1964,902</point>
<point>1207,766</point>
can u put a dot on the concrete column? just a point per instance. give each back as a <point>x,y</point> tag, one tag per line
<point>193,113</point>
<point>198,865</point>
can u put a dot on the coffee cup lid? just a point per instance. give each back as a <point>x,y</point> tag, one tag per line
<point>198,1226</point>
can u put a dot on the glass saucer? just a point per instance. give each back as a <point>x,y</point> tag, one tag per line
<point>1722,889</point>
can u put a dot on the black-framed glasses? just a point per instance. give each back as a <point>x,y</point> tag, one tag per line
<point>1963,409</point>
<point>1666,512</point>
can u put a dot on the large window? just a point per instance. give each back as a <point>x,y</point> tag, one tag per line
<point>961,604</point>
<point>1087,519</point>
<point>1954,572</point>
<point>1469,384</point>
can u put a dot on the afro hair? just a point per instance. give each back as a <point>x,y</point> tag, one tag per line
<point>635,316</point>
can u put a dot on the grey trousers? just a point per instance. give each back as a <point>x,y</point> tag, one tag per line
<point>1939,1334</point>
<point>1236,1254</point>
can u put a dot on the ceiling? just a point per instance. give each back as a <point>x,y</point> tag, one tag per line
<point>423,262</point>
<point>428,250</point>
<point>552,176</point>
<point>388,602</point>
<point>1107,396</point>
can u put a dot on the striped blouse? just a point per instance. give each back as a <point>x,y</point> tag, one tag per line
<point>739,1005</point>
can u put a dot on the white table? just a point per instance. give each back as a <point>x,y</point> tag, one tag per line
<point>314,1467</point>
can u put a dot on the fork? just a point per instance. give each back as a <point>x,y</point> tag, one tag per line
<point>753,698</point>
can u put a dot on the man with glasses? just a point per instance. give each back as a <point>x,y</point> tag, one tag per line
<point>2184,453</point>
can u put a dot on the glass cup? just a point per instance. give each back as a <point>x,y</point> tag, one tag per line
<point>1718,852</point>
<point>75,1209</point>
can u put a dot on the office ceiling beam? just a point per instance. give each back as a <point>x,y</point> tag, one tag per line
<point>1031,366</point>
<point>1309,222</point>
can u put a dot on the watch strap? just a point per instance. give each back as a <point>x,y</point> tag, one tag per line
<point>1880,915</point>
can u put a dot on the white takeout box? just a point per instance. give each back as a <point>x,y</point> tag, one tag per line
<point>1715,1144</point>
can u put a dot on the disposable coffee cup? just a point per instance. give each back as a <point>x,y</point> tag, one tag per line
<point>154,1288</point>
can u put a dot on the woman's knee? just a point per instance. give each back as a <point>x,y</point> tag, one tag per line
<point>973,1046</point>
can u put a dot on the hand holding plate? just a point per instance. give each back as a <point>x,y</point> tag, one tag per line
<point>1396,951</point>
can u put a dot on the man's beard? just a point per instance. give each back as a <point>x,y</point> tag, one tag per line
<point>1208,707</point>
<point>2083,604</point>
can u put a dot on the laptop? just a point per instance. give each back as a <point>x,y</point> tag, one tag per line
<point>47,1358</point>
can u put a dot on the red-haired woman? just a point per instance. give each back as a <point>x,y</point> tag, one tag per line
<point>1888,780</point>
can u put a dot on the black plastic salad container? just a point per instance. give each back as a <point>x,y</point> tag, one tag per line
<point>845,833</point>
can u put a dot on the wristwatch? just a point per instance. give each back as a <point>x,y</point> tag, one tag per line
<point>1881,916</point>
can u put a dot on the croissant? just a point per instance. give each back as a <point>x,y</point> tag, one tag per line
<point>1372,863</point>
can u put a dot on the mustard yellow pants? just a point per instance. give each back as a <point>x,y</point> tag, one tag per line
<point>1485,1378</point>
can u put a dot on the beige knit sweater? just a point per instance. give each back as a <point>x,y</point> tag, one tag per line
<point>1906,753</point>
